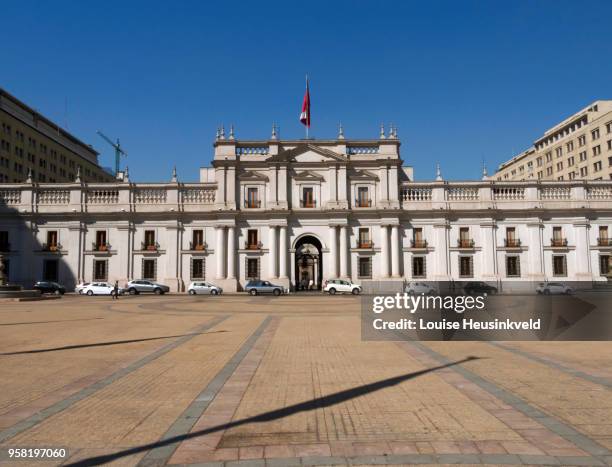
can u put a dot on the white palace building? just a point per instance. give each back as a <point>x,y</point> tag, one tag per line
<point>295,211</point>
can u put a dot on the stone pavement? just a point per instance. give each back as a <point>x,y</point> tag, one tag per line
<point>250,381</point>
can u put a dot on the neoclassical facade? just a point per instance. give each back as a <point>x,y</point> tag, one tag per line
<point>299,212</point>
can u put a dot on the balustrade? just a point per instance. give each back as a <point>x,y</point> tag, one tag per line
<point>52,196</point>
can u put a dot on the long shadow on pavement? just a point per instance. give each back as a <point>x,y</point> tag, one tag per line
<point>102,344</point>
<point>316,403</point>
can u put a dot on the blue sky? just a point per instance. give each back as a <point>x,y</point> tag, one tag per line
<point>463,81</point>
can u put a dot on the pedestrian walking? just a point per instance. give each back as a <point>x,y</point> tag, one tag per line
<point>116,291</point>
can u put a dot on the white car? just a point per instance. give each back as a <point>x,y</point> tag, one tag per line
<point>205,288</point>
<point>554,288</point>
<point>100,288</point>
<point>419,288</point>
<point>79,288</point>
<point>334,286</point>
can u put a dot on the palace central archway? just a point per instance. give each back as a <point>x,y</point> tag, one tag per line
<point>308,273</point>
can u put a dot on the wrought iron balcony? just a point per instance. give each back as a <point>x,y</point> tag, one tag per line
<point>363,203</point>
<point>465,243</point>
<point>512,242</point>
<point>198,246</point>
<point>252,203</point>
<point>558,242</point>
<point>365,244</point>
<point>51,247</point>
<point>418,243</point>
<point>604,241</point>
<point>149,246</point>
<point>308,203</point>
<point>253,246</point>
<point>100,246</point>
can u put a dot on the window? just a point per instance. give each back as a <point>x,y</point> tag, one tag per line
<point>417,238</point>
<point>308,200</point>
<point>595,134</point>
<point>609,127</point>
<point>560,178</point>
<point>539,162</point>
<point>197,240</point>
<point>559,165</point>
<point>101,241</point>
<point>464,238</point>
<point>548,170</point>
<point>597,166</point>
<point>610,145</point>
<point>559,151</point>
<point>571,175</point>
<point>511,240</point>
<point>548,156</point>
<point>604,265</point>
<point>584,171</point>
<point>570,161</point>
<point>252,268</point>
<point>52,244</point>
<point>4,241</point>
<point>597,150</point>
<point>252,200</point>
<point>252,242</point>
<point>363,198</point>
<point>50,270</point>
<point>197,268</point>
<point>603,239</point>
<point>418,266</point>
<point>581,140</point>
<point>583,156</point>
<point>100,270</point>
<point>149,240</point>
<point>570,146</point>
<point>513,266</point>
<point>149,269</point>
<point>466,266</point>
<point>559,265</point>
<point>364,238</point>
<point>540,174</point>
<point>365,268</point>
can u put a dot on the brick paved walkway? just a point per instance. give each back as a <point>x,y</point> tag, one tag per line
<point>287,381</point>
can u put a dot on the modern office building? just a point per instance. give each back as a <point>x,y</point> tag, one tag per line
<point>578,148</point>
<point>296,211</point>
<point>32,144</point>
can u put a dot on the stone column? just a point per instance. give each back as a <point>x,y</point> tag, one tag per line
<point>441,252</point>
<point>384,251</point>
<point>395,251</point>
<point>343,252</point>
<point>535,269</point>
<point>489,251</point>
<point>583,255</point>
<point>220,253</point>
<point>231,253</point>
<point>283,252</point>
<point>333,254</point>
<point>272,252</point>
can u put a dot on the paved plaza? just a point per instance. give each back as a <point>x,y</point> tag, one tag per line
<point>239,380</point>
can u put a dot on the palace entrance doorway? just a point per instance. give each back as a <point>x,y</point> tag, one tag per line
<point>308,273</point>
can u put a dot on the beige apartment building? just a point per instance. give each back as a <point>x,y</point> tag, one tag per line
<point>32,144</point>
<point>578,148</point>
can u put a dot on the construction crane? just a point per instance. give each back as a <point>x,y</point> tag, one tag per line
<point>118,150</point>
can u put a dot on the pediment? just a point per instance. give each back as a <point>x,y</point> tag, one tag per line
<point>309,153</point>
<point>363,175</point>
<point>307,175</point>
<point>251,175</point>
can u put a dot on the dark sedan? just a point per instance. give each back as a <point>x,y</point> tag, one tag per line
<point>50,287</point>
<point>479,288</point>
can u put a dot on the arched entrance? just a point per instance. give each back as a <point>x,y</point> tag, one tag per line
<point>308,273</point>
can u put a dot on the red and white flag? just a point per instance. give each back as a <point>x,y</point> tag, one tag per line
<point>305,115</point>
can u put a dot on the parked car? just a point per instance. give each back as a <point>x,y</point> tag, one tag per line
<point>333,286</point>
<point>50,287</point>
<point>101,288</point>
<point>419,288</point>
<point>554,288</point>
<point>262,287</point>
<point>204,288</point>
<point>142,286</point>
<point>79,288</point>
<point>479,288</point>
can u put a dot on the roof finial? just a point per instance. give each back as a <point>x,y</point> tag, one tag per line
<point>438,172</point>
<point>174,179</point>
<point>274,134</point>
<point>218,134</point>
<point>340,131</point>
<point>126,174</point>
<point>382,131</point>
<point>78,175</point>
<point>484,170</point>
<point>231,135</point>
<point>222,135</point>
<point>29,178</point>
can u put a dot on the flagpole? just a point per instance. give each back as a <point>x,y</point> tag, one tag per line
<point>308,121</point>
